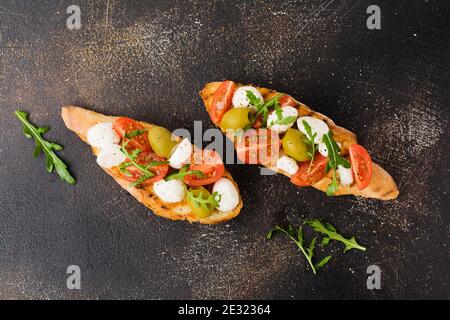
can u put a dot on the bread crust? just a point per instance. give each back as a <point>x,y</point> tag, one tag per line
<point>382,185</point>
<point>79,120</point>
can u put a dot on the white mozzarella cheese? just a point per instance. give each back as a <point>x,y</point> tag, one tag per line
<point>102,135</point>
<point>345,175</point>
<point>317,126</point>
<point>286,112</point>
<point>171,191</point>
<point>323,148</point>
<point>229,197</point>
<point>240,99</point>
<point>110,156</point>
<point>287,164</point>
<point>181,154</point>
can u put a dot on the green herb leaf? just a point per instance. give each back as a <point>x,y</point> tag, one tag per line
<point>199,200</point>
<point>184,172</point>
<point>323,262</point>
<point>334,161</point>
<point>287,120</point>
<point>135,133</point>
<point>49,148</point>
<point>254,101</point>
<point>310,141</point>
<point>299,241</point>
<point>330,232</point>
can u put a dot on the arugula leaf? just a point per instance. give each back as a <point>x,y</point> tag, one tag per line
<point>334,161</point>
<point>299,240</point>
<point>132,161</point>
<point>262,108</point>
<point>49,148</point>
<point>199,201</point>
<point>323,262</point>
<point>184,172</point>
<point>287,120</point>
<point>254,101</point>
<point>310,141</point>
<point>135,133</point>
<point>330,232</point>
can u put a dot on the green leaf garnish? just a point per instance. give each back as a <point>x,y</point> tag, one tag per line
<point>135,133</point>
<point>184,172</point>
<point>262,108</point>
<point>49,148</point>
<point>297,237</point>
<point>330,232</point>
<point>199,201</point>
<point>310,141</point>
<point>132,161</point>
<point>334,160</point>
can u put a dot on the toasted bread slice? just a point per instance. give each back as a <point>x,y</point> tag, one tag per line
<point>382,186</point>
<point>79,120</point>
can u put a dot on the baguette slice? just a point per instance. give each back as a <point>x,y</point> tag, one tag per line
<point>79,120</point>
<point>382,186</point>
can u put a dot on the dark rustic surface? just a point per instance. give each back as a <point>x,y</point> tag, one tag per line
<point>148,60</point>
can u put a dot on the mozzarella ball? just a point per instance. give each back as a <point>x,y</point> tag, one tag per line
<point>229,197</point>
<point>285,113</point>
<point>171,191</point>
<point>110,156</point>
<point>102,135</point>
<point>317,126</point>
<point>181,154</point>
<point>240,99</point>
<point>287,164</point>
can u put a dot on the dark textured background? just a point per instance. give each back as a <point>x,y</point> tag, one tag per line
<point>148,60</point>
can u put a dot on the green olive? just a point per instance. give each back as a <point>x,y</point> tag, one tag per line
<point>200,210</point>
<point>294,145</point>
<point>161,141</point>
<point>236,118</point>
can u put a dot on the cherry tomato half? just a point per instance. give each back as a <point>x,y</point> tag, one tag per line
<point>287,101</point>
<point>143,159</point>
<point>308,175</point>
<point>221,102</point>
<point>361,165</point>
<point>258,146</point>
<point>210,164</point>
<point>123,126</point>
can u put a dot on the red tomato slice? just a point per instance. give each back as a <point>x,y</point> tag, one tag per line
<point>258,146</point>
<point>307,175</point>
<point>123,126</point>
<point>146,158</point>
<point>287,101</point>
<point>361,165</point>
<point>221,102</point>
<point>210,163</point>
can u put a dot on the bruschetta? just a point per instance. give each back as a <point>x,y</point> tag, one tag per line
<point>166,173</point>
<point>310,148</point>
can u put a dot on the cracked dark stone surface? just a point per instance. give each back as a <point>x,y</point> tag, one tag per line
<point>148,61</point>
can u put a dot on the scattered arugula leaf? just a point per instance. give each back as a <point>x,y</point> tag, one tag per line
<point>213,199</point>
<point>184,172</point>
<point>298,238</point>
<point>49,148</point>
<point>331,233</point>
<point>324,228</point>
<point>334,161</point>
<point>310,141</point>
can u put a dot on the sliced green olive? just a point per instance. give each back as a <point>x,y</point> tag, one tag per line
<point>236,118</point>
<point>200,210</point>
<point>161,141</point>
<point>294,145</point>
